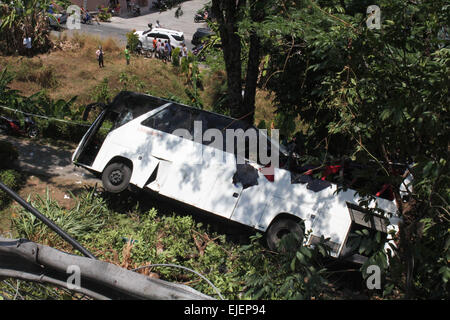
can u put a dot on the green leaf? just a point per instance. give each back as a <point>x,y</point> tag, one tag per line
<point>300,257</point>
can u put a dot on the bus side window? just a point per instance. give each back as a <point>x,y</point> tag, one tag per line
<point>170,119</point>
<point>159,121</point>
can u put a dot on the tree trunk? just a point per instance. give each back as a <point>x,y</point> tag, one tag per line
<point>227,15</point>
<point>248,108</point>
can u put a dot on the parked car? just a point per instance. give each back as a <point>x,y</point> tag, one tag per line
<point>146,37</point>
<point>143,149</point>
<point>200,35</point>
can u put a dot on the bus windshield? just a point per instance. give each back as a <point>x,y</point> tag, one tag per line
<point>125,107</point>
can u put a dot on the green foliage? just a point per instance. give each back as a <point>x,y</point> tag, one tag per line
<point>295,274</point>
<point>142,237</point>
<point>102,93</point>
<point>104,15</point>
<point>124,79</point>
<point>41,104</point>
<point>8,96</point>
<point>176,57</point>
<point>132,41</point>
<point>285,123</point>
<point>376,97</point>
<point>87,216</point>
<point>20,18</point>
<point>189,67</point>
<point>13,180</point>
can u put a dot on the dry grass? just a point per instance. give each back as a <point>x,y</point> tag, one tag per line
<point>71,69</point>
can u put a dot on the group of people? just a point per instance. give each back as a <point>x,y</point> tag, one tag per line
<point>162,50</point>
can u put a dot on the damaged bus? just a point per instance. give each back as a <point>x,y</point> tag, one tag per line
<point>132,142</point>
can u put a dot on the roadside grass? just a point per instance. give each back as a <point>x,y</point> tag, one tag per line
<point>129,233</point>
<point>71,69</point>
<point>156,239</point>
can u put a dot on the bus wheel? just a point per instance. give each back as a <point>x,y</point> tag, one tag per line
<point>116,177</point>
<point>281,228</point>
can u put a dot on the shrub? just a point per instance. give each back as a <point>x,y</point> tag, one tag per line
<point>176,57</point>
<point>101,92</point>
<point>132,40</point>
<point>87,216</point>
<point>13,180</point>
<point>61,130</point>
<point>104,15</point>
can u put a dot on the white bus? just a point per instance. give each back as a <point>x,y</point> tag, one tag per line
<point>140,149</point>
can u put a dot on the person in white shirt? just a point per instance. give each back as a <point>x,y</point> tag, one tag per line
<point>184,51</point>
<point>27,44</point>
<point>99,54</point>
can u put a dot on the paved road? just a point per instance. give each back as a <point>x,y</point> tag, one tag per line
<point>119,26</point>
<point>49,161</point>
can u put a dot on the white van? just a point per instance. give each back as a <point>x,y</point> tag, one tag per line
<point>176,38</point>
<point>141,149</point>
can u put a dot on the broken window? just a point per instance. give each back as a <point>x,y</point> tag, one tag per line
<point>129,106</point>
<point>246,175</point>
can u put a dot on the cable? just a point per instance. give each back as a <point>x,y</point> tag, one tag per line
<point>45,117</point>
<point>181,267</point>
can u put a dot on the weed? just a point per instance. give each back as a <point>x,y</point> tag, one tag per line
<point>87,216</point>
<point>101,92</point>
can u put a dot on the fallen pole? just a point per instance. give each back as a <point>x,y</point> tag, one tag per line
<point>49,223</point>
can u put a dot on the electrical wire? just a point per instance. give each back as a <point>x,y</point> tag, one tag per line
<point>181,267</point>
<point>45,117</point>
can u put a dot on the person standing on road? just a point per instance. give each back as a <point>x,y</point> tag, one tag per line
<point>127,54</point>
<point>100,54</point>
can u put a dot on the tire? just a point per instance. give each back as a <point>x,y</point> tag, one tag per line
<point>279,229</point>
<point>116,177</point>
<point>33,132</point>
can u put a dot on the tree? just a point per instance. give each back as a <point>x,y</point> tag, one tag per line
<point>228,14</point>
<point>24,18</point>
<point>379,97</point>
